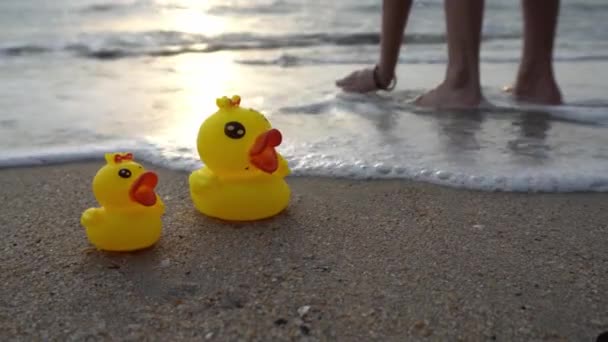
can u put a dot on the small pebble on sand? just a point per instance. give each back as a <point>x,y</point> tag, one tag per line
<point>303,310</point>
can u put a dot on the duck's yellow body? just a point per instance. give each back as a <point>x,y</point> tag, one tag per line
<point>130,216</point>
<point>245,199</point>
<point>244,177</point>
<point>116,230</point>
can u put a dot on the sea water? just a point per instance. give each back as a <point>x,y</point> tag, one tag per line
<point>82,77</point>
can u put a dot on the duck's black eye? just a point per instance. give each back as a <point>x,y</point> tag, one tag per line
<point>234,130</point>
<point>124,173</point>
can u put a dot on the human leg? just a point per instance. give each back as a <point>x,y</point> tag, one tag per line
<point>535,79</point>
<point>394,19</point>
<point>461,87</point>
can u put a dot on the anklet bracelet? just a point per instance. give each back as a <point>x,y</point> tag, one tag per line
<point>390,86</point>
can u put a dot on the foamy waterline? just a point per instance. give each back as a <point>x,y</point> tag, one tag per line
<point>318,165</point>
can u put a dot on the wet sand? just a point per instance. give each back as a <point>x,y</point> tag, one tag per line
<point>348,261</point>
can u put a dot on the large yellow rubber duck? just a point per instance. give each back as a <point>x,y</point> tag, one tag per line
<point>243,176</point>
<point>130,215</point>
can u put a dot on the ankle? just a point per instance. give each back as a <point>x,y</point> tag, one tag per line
<point>530,71</point>
<point>536,83</point>
<point>462,77</point>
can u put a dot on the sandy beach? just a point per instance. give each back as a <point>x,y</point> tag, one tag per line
<point>389,235</point>
<point>349,260</point>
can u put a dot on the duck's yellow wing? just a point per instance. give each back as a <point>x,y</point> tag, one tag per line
<point>202,180</point>
<point>92,217</point>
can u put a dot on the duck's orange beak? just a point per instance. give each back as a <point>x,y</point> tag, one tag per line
<point>142,190</point>
<point>262,153</point>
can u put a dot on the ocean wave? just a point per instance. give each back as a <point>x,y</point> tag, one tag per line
<point>168,43</point>
<point>124,7</point>
<point>291,60</point>
<point>586,6</point>
<point>591,112</point>
<point>322,165</point>
<point>285,7</point>
<point>21,50</point>
<point>118,49</point>
<point>275,7</point>
<point>65,154</point>
<point>515,148</point>
<point>102,7</point>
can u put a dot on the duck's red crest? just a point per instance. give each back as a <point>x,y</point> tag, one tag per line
<point>120,157</point>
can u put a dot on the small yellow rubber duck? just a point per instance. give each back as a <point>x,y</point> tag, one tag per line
<point>130,215</point>
<point>243,176</point>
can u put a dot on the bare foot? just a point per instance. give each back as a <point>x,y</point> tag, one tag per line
<point>540,90</point>
<point>445,96</point>
<point>360,81</point>
<point>364,81</point>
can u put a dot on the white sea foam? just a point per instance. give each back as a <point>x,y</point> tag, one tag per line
<point>324,166</point>
<point>487,151</point>
<point>503,148</point>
